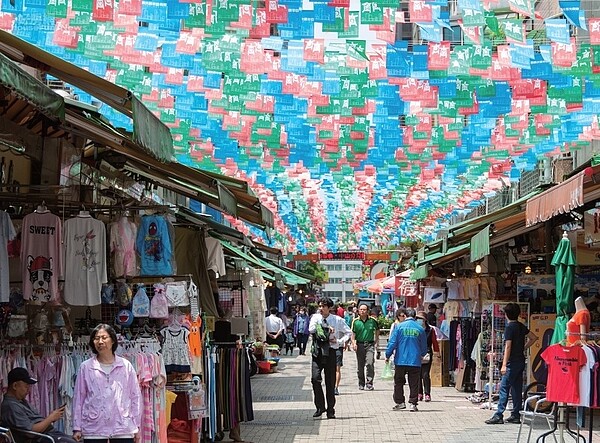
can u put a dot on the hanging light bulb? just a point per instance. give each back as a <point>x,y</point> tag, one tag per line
<point>478,269</point>
<point>251,282</point>
<point>528,269</point>
<point>217,275</point>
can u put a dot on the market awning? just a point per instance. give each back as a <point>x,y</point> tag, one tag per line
<point>181,179</point>
<point>480,244</point>
<point>148,131</point>
<point>560,199</point>
<point>263,265</point>
<point>27,87</point>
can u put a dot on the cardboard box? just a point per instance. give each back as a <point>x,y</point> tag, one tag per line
<point>440,376</point>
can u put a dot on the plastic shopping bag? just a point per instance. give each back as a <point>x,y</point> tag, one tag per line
<point>387,373</point>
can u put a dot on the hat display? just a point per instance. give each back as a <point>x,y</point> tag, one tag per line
<point>20,374</point>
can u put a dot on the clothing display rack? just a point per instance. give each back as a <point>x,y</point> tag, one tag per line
<point>231,296</point>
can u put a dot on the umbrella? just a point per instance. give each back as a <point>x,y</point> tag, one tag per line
<point>564,264</point>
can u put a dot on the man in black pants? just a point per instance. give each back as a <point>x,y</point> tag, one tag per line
<point>329,333</point>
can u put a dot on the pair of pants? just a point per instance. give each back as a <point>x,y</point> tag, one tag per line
<point>365,357</point>
<point>302,340</point>
<point>512,382</point>
<point>324,364</point>
<point>414,375</point>
<point>425,380</point>
<point>276,341</point>
<point>112,440</point>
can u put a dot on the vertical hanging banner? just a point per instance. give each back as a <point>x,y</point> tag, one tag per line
<point>103,10</point>
<point>420,11</point>
<point>557,30</point>
<point>573,12</point>
<point>525,7</point>
<point>514,30</point>
<point>594,28</point>
<point>564,55</point>
<point>439,56</point>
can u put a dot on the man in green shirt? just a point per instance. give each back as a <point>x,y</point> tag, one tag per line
<point>365,336</point>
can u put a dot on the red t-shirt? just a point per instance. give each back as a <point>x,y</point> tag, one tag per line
<point>563,363</point>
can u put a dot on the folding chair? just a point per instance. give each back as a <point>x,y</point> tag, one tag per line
<point>536,406</point>
<point>8,436</point>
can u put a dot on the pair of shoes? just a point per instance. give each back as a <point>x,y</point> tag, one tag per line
<point>361,388</point>
<point>318,413</point>
<point>336,391</point>
<point>369,387</point>
<point>495,420</point>
<point>330,415</point>
<point>399,406</point>
<point>513,419</point>
<point>427,397</point>
<point>413,408</point>
<point>420,397</point>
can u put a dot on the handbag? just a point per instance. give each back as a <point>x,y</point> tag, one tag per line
<point>426,358</point>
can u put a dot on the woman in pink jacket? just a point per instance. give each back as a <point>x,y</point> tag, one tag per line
<point>107,399</point>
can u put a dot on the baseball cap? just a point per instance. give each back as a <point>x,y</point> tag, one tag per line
<point>20,374</point>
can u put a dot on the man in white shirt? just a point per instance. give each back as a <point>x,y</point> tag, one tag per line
<point>329,332</point>
<point>275,328</point>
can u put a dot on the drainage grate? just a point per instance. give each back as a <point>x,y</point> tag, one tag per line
<point>276,398</point>
<point>270,423</point>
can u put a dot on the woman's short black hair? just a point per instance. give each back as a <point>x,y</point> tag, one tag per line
<point>110,331</point>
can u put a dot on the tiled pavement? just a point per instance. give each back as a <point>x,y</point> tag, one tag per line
<point>283,407</point>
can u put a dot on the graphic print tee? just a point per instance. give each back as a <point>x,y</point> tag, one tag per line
<point>85,260</point>
<point>41,258</point>
<point>154,246</point>
<point>563,363</point>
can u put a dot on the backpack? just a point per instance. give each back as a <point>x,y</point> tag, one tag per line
<point>159,306</point>
<point>141,303</point>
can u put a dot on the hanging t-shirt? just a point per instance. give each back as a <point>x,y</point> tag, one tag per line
<point>215,259</point>
<point>123,234</point>
<point>581,317</point>
<point>85,261</point>
<point>585,377</point>
<point>7,233</point>
<point>564,363</point>
<point>41,257</point>
<point>154,246</point>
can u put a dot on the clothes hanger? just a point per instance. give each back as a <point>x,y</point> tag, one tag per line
<point>83,213</point>
<point>42,209</point>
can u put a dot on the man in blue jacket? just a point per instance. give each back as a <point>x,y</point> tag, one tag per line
<point>409,344</point>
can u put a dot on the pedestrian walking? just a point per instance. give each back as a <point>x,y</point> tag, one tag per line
<point>408,343</point>
<point>365,337</point>
<point>330,332</point>
<point>301,333</point>
<point>433,348</point>
<point>517,339</point>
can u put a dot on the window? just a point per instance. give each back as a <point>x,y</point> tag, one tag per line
<point>354,267</point>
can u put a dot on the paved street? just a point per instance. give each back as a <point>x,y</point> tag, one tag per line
<point>283,406</point>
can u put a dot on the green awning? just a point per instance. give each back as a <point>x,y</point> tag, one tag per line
<point>150,132</point>
<point>13,77</point>
<point>480,244</point>
<point>262,265</point>
<point>420,273</point>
